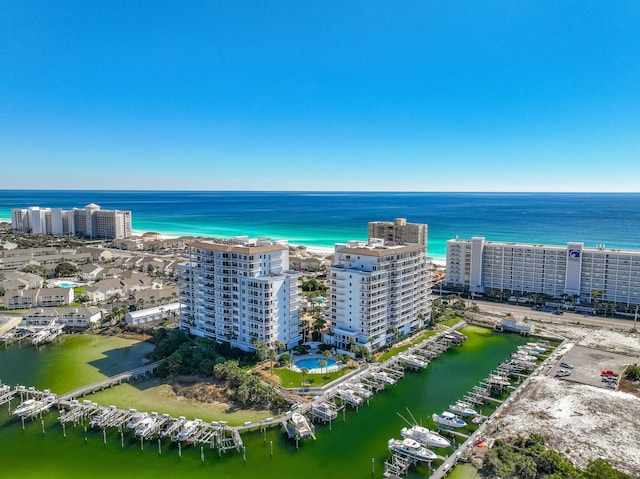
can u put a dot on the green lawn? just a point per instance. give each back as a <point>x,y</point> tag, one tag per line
<point>398,349</point>
<point>292,379</point>
<point>451,322</point>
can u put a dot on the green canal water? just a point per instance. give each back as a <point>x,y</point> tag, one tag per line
<point>345,450</point>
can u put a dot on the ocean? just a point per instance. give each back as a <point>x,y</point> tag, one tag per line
<point>321,219</point>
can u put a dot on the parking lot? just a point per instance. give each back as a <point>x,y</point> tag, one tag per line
<point>588,364</point>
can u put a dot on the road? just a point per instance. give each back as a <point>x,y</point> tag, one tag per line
<point>519,312</point>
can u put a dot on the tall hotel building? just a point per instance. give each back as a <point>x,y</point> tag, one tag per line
<point>87,222</point>
<point>378,291</point>
<point>399,231</point>
<point>240,291</point>
<point>478,266</point>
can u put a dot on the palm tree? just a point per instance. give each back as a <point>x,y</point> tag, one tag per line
<point>303,371</point>
<point>271,353</point>
<point>286,361</point>
<point>322,363</point>
<point>595,294</point>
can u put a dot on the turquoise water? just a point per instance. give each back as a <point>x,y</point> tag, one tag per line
<point>67,285</point>
<point>311,363</point>
<point>326,218</point>
<point>344,450</point>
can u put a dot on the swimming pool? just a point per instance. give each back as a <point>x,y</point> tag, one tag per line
<point>311,363</point>
<point>67,285</point>
<point>312,366</point>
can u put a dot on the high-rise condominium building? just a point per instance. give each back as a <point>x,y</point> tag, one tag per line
<point>240,291</point>
<point>399,231</point>
<point>378,291</point>
<point>478,266</point>
<point>87,222</point>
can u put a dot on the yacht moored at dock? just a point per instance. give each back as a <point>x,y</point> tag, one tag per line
<point>448,419</point>
<point>461,408</point>
<point>424,436</point>
<point>411,448</point>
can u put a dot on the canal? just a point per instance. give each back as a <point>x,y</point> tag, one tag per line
<point>353,448</point>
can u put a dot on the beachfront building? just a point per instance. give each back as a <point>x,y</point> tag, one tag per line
<point>398,231</point>
<point>570,272</point>
<point>378,292</point>
<point>240,291</point>
<point>87,222</point>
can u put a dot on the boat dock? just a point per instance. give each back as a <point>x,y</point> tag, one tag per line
<point>470,441</point>
<point>143,371</point>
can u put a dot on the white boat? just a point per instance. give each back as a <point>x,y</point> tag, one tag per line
<point>349,396</point>
<point>461,408</point>
<point>28,407</point>
<point>360,390</point>
<point>425,436</point>
<point>136,419</point>
<point>188,429</point>
<point>146,426</point>
<point>411,448</point>
<point>384,377</point>
<point>539,346</point>
<point>301,425</point>
<point>448,419</point>
<point>498,380</point>
<point>413,360</point>
<point>325,411</point>
<point>102,416</point>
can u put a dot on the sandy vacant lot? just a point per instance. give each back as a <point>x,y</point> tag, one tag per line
<point>581,420</point>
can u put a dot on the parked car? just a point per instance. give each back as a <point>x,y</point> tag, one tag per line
<point>609,373</point>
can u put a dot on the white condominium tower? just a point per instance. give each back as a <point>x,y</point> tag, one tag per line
<point>479,266</point>
<point>87,222</point>
<point>399,231</point>
<point>240,291</point>
<point>378,291</point>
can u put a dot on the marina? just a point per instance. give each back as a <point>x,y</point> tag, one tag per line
<point>325,408</point>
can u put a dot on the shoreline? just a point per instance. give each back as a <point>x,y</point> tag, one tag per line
<point>323,251</point>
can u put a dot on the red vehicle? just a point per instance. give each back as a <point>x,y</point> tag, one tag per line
<point>609,373</point>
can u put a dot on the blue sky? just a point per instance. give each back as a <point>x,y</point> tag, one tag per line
<point>346,95</point>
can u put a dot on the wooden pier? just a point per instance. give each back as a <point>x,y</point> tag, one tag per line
<point>127,376</point>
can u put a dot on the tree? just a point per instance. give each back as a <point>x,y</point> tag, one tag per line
<point>595,295</point>
<point>322,363</point>
<point>304,371</point>
<point>286,361</point>
<point>633,373</point>
<point>66,268</point>
<point>271,353</point>
<point>601,469</point>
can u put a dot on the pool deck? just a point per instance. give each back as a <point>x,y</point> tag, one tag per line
<point>318,370</point>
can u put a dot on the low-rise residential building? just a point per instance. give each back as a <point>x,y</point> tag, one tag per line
<point>14,280</point>
<point>155,296</point>
<point>90,272</point>
<point>155,313</point>
<point>73,317</point>
<point>33,298</point>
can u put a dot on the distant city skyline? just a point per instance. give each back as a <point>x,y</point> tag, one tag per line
<point>322,96</point>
